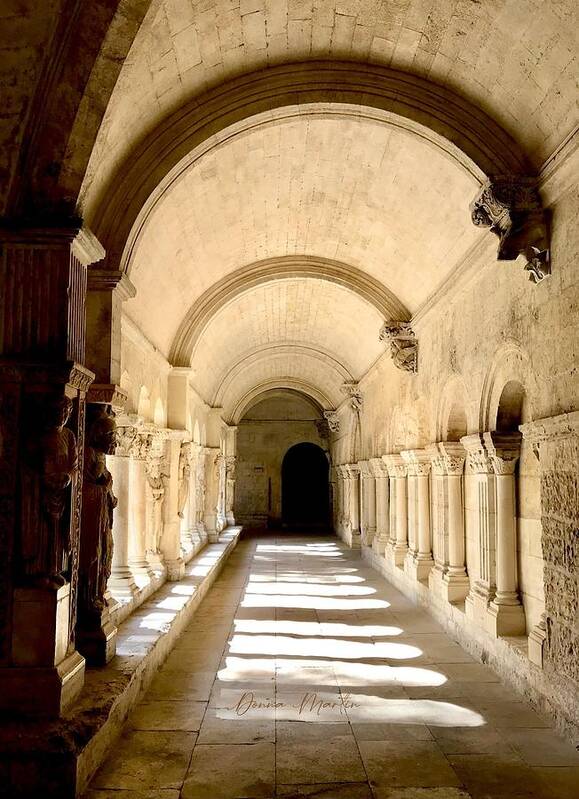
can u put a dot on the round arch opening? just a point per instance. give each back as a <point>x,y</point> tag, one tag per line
<point>305,487</point>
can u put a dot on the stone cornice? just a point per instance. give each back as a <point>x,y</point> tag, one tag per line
<point>564,425</point>
<point>109,280</point>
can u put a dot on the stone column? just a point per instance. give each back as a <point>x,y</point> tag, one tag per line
<point>43,387</point>
<point>448,578</point>
<point>157,475</point>
<point>138,562</point>
<point>230,489</point>
<point>170,544</point>
<point>121,583</point>
<point>200,491</point>
<point>506,615</point>
<point>212,467</point>
<point>482,590</point>
<point>419,468</point>
<point>380,472</point>
<point>398,544</point>
<point>354,497</point>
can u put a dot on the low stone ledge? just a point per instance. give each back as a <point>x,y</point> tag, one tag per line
<point>507,656</point>
<point>58,758</point>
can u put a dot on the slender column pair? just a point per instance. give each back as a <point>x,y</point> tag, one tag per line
<point>418,561</point>
<point>367,503</point>
<point>494,600</point>
<point>448,577</point>
<point>397,546</point>
<point>382,490</point>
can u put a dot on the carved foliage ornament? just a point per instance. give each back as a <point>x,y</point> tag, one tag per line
<point>331,418</point>
<point>511,207</point>
<point>403,344</point>
<point>352,391</point>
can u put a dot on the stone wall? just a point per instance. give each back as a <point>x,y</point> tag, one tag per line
<point>263,438</point>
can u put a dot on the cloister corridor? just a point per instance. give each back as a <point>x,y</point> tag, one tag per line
<point>305,673</point>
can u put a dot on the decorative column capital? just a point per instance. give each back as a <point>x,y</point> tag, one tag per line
<point>230,463</point>
<point>378,468</point>
<point>352,390</point>
<point>364,468</point>
<point>447,457</point>
<point>477,459</point>
<point>503,450</point>
<point>110,280</point>
<point>353,470</point>
<point>323,428</point>
<point>511,207</point>
<point>403,345</point>
<point>333,421</point>
<point>396,465</point>
<point>418,462</point>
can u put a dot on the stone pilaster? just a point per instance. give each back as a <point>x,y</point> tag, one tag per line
<point>554,640</point>
<point>138,563</point>
<point>171,539</point>
<point>43,386</point>
<point>354,504</point>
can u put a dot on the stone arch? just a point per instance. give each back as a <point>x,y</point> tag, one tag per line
<point>144,403</point>
<point>436,114</point>
<point>510,368</point>
<point>159,413</point>
<point>253,396</point>
<point>452,417</point>
<point>271,269</point>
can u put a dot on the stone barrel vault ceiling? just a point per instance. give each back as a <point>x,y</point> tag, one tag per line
<point>364,193</point>
<point>514,59</point>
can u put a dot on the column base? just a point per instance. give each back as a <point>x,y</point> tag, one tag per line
<point>476,604</point>
<point>396,554</point>
<point>40,626</point>
<point>122,584</point>
<point>230,519</point>
<point>175,569</point>
<point>505,619</point>
<point>141,570</point>
<point>453,588</point>
<point>42,691</point>
<point>379,544</point>
<point>537,641</point>
<point>96,639</point>
<point>418,568</point>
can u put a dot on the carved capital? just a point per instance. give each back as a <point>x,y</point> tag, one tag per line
<point>230,463</point>
<point>378,467</point>
<point>352,390</point>
<point>403,345</point>
<point>511,207</point>
<point>323,428</point>
<point>396,465</point>
<point>333,421</point>
<point>503,450</point>
<point>447,457</point>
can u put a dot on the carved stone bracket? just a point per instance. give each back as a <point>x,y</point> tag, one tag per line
<point>333,421</point>
<point>352,391</point>
<point>512,208</point>
<point>403,345</point>
<point>323,428</point>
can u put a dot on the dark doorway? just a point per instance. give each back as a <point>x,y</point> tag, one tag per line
<point>305,499</point>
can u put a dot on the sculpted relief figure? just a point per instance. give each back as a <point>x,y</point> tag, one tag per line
<point>156,484</point>
<point>98,503</point>
<point>51,463</point>
<point>184,477</point>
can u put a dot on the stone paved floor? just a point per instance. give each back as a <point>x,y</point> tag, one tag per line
<point>305,674</point>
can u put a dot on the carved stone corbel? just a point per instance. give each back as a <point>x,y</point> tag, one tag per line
<point>352,391</point>
<point>403,345</point>
<point>333,421</point>
<point>512,208</point>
